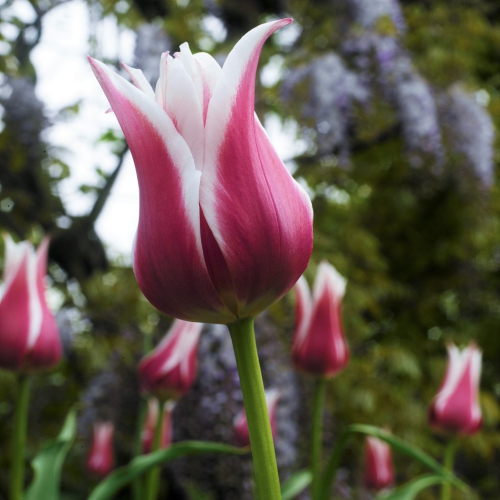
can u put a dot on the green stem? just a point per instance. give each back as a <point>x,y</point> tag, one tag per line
<point>317,437</point>
<point>19,432</point>
<point>449,459</point>
<point>143,410</point>
<point>153,479</point>
<point>332,465</point>
<point>137,483</point>
<point>259,428</point>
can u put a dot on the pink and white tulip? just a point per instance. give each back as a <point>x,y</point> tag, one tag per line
<point>455,409</point>
<point>240,426</point>
<point>100,460</point>
<point>29,337</point>
<point>150,425</point>
<point>378,468</point>
<point>224,230</point>
<point>319,346</point>
<point>169,371</point>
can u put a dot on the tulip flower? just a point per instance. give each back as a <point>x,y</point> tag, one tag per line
<point>29,337</point>
<point>378,470</point>
<point>168,372</point>
<point>319,345</point>
<point>150,425</point>
<point>100,460</point>
<point>455,409</point>
<point>240,426</point>
<point>224,230</point>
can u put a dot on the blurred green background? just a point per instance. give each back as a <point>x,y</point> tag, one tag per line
<point>390,110</point>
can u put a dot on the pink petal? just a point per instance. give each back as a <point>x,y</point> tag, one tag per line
<point>303,311</point>
<point>168,257</point>
<point>324,350</point>
<point>15,312</point>
<point>260,218</point>
<point>47,350</point>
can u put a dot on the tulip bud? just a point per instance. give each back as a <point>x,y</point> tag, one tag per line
<point>455,409</point>
<point>150,425</point>
<point>168,372</point>
<point>378,471</point>
<point>240,426</point>
<point>234,233</point>
<point>319,345</point>
<point>100,460</point>
<point>29,337</point>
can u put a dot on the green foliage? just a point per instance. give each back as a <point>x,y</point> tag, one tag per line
<point>107,488</point>
<point>49,462</point>
<point>296,484</point>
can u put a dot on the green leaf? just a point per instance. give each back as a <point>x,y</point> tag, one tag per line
<point>49,462</point>
<point>295,484</point>
<point>411,489</point>
<point>124,475</point>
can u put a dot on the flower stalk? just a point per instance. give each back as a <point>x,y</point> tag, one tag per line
<point>252,386</point>
<point>19,438</point>
<point>449,459</point>
<point>153,478</point>
<point>317,437</point>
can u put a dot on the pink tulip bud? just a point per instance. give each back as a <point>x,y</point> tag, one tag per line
<point>29,336</point>
<point>319,345</point>
<point>455,409</point>
<point>169,371</point>
<point>100,460</point>
<point>224,230</point>
<point>150,425</point>
<point>379,471</point>
<point>240,426</point>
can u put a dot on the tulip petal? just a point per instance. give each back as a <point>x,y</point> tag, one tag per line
<point>209,72</point>
<point>184,108</point>
<point>168,256</point>
<point>324,350</point>
<point>246,191</point>
<point>46,351</point>
<point>140,81</point>
<point>15,310</point>
<point>303,311</point>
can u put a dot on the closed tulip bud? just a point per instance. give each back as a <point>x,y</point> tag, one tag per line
<point>319,345</point>
<point>240,426</point>
<point>29,337</point>
<point>455,409</point>
<point>378,469</point>
<point>100,460</point>
<point>169,371</point>
<point>150,425</point>
<point>224,230</point>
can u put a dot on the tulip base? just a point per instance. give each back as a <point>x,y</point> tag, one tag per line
<point>261,439</point>
<point>19,439</point>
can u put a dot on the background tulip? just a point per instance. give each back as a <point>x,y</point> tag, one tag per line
<point>455,409</point>
<point>378,467</point>
<point>319,345</point>
<point>240,429</point>
<point>29,337</point>
<point>224,230</point>
<point>100,460</point>
<point>150,425</point>
<point>171,368</point>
